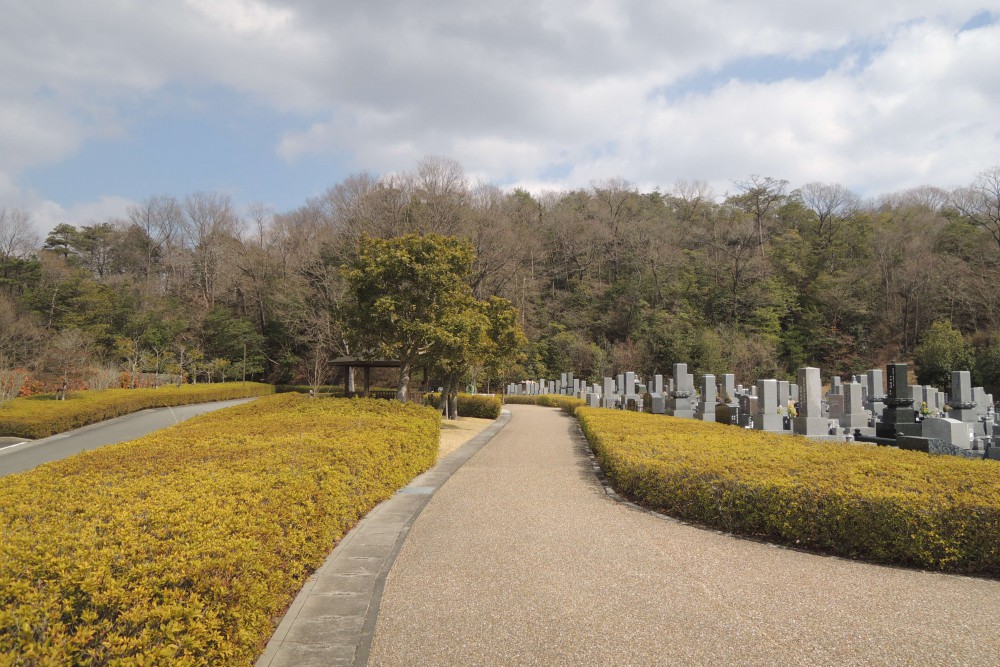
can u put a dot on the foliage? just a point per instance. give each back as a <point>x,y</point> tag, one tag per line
<point>567,404</point>
<point>410,295</point>
<point>879,504</point>
<point>40,416</point>
<point>183,547</point>
<point>942,350</point>
<point>758,281</point>
<point>482,406</point>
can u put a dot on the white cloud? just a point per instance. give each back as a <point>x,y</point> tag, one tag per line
<point>512,89</point>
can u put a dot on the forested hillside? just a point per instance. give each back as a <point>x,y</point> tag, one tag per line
<point>759,280</point>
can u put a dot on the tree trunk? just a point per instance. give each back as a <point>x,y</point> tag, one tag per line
<point>453,400</point>
<point>404,383</point>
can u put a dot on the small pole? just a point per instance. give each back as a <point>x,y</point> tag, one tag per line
<point>244,363</point>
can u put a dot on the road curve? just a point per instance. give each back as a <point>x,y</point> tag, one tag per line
<point>521,558</point>
<point>18,457</point>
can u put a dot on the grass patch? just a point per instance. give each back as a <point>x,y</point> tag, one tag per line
<point>41,416</point>
<point>874,503</point>
<point>184,546</point>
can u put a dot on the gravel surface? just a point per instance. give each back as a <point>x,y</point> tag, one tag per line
<point>522,559</point>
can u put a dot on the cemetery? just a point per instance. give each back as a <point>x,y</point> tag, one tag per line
<point>878,408</point>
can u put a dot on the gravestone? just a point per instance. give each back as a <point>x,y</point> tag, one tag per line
<point>680,402</point>
<point>746,409</point>
<point>784,395</point>
<point>729,389</point>
<point>728,409</point>
<point>609,399</point>
<point>835,404</point>
<point>962,399</point>
<point>810,421</point>
<point>767,418</point>
<point>898,416</point>
<point>835,385</point>
<point>709,399</point>
<point>793,392</point>
<point>876,392</point>
<point>655,401</point>
<point>855,416</point>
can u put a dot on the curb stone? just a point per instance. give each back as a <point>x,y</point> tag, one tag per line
<point>333,618</point>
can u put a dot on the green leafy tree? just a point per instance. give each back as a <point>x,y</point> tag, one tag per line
<point>942,350</point>
<point>409,295</point>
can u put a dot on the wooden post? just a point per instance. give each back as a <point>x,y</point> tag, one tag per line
<point>368,379</point>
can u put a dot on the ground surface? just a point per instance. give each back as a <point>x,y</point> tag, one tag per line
<point>17,455</point>
<point>456,432</point>
<point>521,558</point>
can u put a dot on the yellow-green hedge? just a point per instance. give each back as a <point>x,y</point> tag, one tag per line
<point>183,547</point>
<point>858,501</point>
<point>567,404</point>
<point>482,406</point>
<point>42,416</point>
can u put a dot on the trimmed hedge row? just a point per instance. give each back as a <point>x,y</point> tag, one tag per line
<point>875,503</point>
<point>183,547</point>
<point>567,404</point>
<point>482,406</point>
<point>42,416</point>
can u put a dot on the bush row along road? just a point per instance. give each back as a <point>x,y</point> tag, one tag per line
<point>20,456</point>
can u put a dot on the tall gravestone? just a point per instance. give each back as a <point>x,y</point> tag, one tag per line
<point>729,389</point>
<point>876,392</point>
<point>727,411</point>
<point>898,417</point>
<point>810,420</point>
<point>680,403</point>
<point>854,416</point>
<point>964,406</point>
<point>767,417</point>
<point>709,399</point>
<point>655,401</point>
<point>609,398</point>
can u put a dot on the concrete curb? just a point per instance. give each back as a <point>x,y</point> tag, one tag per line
<point>333,618</point>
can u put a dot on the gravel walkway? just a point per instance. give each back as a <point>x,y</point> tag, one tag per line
<point>521,558</point>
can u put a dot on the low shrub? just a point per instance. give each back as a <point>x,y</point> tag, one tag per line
<point>41,416</point>
<point>481,406</point>
<point>185,546</point>
<point>567,404</point>
<point>875,503</point>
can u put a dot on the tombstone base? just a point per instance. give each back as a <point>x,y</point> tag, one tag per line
<point>811,426</point>
<point>774,423</point>
<point>683,414</point>
<point>656,404</point>
<point>706,412</point>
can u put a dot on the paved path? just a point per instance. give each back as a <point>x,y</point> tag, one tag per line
<point>332,620</point>
<point>523,559</point>
<point>17,456</point>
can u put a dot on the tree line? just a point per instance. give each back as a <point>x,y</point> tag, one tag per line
<point>759,280</point>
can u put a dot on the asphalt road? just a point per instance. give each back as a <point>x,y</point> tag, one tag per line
<point>18,457</point>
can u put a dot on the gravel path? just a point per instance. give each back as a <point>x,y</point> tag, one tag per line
<point>522,559</point>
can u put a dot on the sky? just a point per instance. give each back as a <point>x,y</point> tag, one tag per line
<point>107,102</point>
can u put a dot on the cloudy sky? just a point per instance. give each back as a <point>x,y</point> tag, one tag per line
<point>107,102</point>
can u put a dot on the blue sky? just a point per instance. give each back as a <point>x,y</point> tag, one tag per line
<point>272,101</point>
